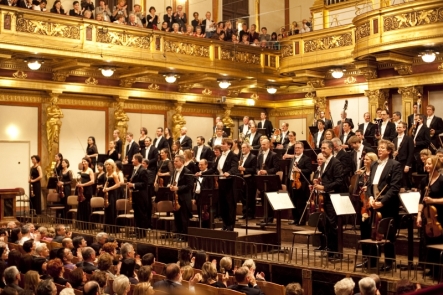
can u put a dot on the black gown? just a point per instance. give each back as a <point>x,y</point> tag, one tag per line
<point>113,155</point>
<point>66,178</point>
<point>141,144</point>
<point>84,208</point>
<point>166,166</point>
<point>36,200</point>
<point>119,147</point>
<point>91,150</point>
<point>110,211</point>
<point>101,179</point>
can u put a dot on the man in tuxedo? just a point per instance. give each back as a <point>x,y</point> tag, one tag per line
<point>244,128</point>
<point>267,164</point>
<point>160,141</point>
<point>396,118</point>
<point>203,183</point>
<point>254,137</point>
<point>141,200</point>
<point>185,141</point>
<point>201,151</point>
<point>284,139</point>
<point>132,148</point>
<point>331,182</point>
<point>247,168</point>
<point>327,123</point>
<point>435,126</point>
<point>404,154</point>
<point>88,254</point>
<point>411,117</point>
<point>359,134</point>
<point>320,135</point>
<point>382,190</point>
<point>387,128</point>
<point>265,124</point>
<point>302,164</point>
<point>182,185</point>
<point>218,139</point>
<point>218,120</point>
<point>151,154</point>
<point>347,133</point>
<point>367,128</point>
<point>224,166</point>
<point>346,162</point>
<point>244,282</point>
<point>422,139</point>
<point>359,150</point>
<point>343,116</point>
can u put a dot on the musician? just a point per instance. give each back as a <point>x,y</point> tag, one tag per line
<point>247,167</point>
<point>382,190</point>
<point>118,143</point>
<point>396,118</point>
<point>141,200</point>
<point>92,152</point>
<point>175,149</point>
<point>160,142</point>
<point>290,148</point>
<point>203,183</point>
<point>387,128</point>
<point>346,161</point>
<point>302,164</point>
<point>142,138</point>
<point>64,181</point>
<point>151,177</point>
<point>217,121</point>
<point>267,164</point>
<point>422,139</point>
<point>165,166</point>
<point>359,134</point>
<point>379,118</point>
<point>218,139</point>
<point>435,125</point>
<point>243,130</point>
<point>254,137</point>
<point>112,152</point>
<point>100,180</point>
<point>331,182</point>
<point>284,139</point>
<point>343,116</point>
<point>411,117</point>
<point>189,161</point>
<point>367,128</point>
<point>132,148</point>
<point>201,151</point>
<point>226,131</point>
<point>185,141</point>
<point>320,135</point>
<point>404,154</point>
<point>87,180</point>
<point>35,176</point>
<point>111,187</point>
<point>358,152</point>
<point>328,123</point>
<point>329,134</point>
<point>226,165</point>
<point>347,133</point>
<point>150,153</point>
<point>265,124</point>
<point>58,164</point>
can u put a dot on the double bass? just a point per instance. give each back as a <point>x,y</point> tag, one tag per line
<point>337,129</point>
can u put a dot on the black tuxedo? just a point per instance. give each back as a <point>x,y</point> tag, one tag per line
<point>267,126</point>
<point>119,147</point>
<point>410,121</point>
<point>299,196</point>
<point>370,129</point>
<point>240,129</point>
<point>185,185</point>
<point>206,153</point>
<point>422,140</point>
<point>390,131</point>
<point>320,141</point>
<point>87,267</point>
<point>247,290</point>
<point>180,20</point>
<point>131,149</point>
<point>349,120</point>
<point>256,141</point>
<point>346,162</point>
<point>22,4</point>
<point>342,138</point>
<point>405,157</point>
<point>328,123</point>
<point>152,156</point>
<point>284,139</point>
<point>186,143</point>
<point>168,19</point>
<point>141,200</point>
<point>206,183</point>
<point>437,125</point>
<point>248,196</point>
<point>353,154</point>
<point>271,165</point>
<point>211,142</point>
<point>163,143</point>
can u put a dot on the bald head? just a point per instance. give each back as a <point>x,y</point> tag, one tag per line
<point>91,288</point>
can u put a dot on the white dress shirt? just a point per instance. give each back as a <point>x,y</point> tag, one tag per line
<point>221,162</point>
<point>181,138</point>
<point>199,152</point>
<point>245,129</point>
<point>319,135</point>
<point>265,155</point>
<point>417,130</point>
<point>251,138</point>
<point>365,125</point>
<point>429,120</point>
<point>399,140</point>
<point>147,151</point>
<point>383,128</point>
<point>359,152</point>
<point>200,180</point>
<point>218,141</point>
<point>158,141</point>
<point>379,171</point>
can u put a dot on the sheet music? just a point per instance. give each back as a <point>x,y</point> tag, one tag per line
<point>410,201</point>
<point>279,200</point>
<point>342,204</point>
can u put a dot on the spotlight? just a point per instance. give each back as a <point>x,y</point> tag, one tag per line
<point>224,84</point>
<point>107,72</point>
<point>271,89</point>
<point>170,78</point>
<point>428,56</point>
<point>34,64</point>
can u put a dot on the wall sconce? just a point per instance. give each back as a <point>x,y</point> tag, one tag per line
<point>429,56</point>
<point>34,64</point>
<point>271,89</point>
<point>170,78</point>
<point>224,84</point>
<point>338,73</point>
<point>107,72</point>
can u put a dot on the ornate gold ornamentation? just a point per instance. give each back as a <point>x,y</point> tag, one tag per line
<point>60,76</point>
<point>350,80</point>
<point>233,93</point>
<point>287,50</point>
<point>127,82</point>
<point>403,69</point>
<point>362,31</point>
<point>187,49</point>
<point>440,67</point>
<point>84,102</point>
<point>377,97</point>
<point>410,93</point>
<point>237,56</point>
<point>287,113</point>
<point>53,125</point>
<point>143,106</point>
<point>185,87</point>
<point>227,120</point>
<point>20,98</point>
<point>318,83</point>
<point>124,39</point>
<point>153,86</point>
<point>255,96</point>
<point>206,91</point>
<point>310,94</point>
<point>19,75</point>
<point>320,102</point>
<point>91,81</point>
<point>413,19</point>
<point>47,28</point>
<point>369,73</point>
<point>121,118</point>
<point>178,121</point>
<point>329,42</point>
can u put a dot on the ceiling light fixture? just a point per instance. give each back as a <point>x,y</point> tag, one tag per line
<point>107,72</point>
<point>428,56</point>
<point>337,73</point>
<point>170,78</point>
<point>34,64</point>
<point>271,89</point>
<point>224,84</point>
<point>250,102</point>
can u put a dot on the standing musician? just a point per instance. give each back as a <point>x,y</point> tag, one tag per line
<point>430,205</point>
<point>290,148</point>
<point>118,143</point>
<point>343,116</point>
<point>347,133</point>
<point>247,168</point>
<point>404,153</point>
<point>160,142</point>
<point>226,165</point>
<point>300,164</point>
<point>387,128</point>
<point>201,151</point>
<point>329,181</point>
<point>86,183</point>
<point>396,118</point>
<point>65,181</point>
<point>243,130</point>
<point>203,183</point>
<point>151,177</point>
<point>112,152</point>
<point>422,139</point>
<point>265,124</point>
<point>346,162</point>
<point>141,200</point>
<point>284,139</point>
<point>217,121</point>
<point>132,148</point>
<point>327,122</point>
<point>150,153</point>
<point>165,168</point>
<point>141,139</point>
<point>100,180</point>
<point>435,125</point>
<point>58,164</point>
<point>218,139</point>
<point>111,190</point>
<point>385,182</point>
<point>358,152</point>
<point>254,137</point>
<point>185,141</point>
<point>35,192</point>
<point>359,134</point>
<point>411,117</point>
<point>267,164</point>
<point>367,128</point>
<point>92,152</point>
<point>320,135</point>
<point>182,184</point>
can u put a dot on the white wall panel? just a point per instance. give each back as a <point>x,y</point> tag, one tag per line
<point>149,121</point>
<point>200,6</point>
<point>199,126</point>
<point>397,106</point>
<point>298,125</point>
<point>436,99</point>
<point>357,106</point>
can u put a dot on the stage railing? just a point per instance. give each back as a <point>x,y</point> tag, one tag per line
<point>240,250</point>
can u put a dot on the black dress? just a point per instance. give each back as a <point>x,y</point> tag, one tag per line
<point>192,167</point>
<point>113,155</point>
<point>84,208</point>
<point>66,178</point>
<point>118,147</point>
<point>151,22</point>
<point>165,166</point>
<point>101,179</point>
<point>36,198</point>
<point>91,150</point>
<point>141,144</point>
<point>169,141</point>
<point>110,212</point>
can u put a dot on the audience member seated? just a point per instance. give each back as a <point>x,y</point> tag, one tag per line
<point>145,274</point>
<point>101,278</point>
<point>40,258</point>
<point>26,234</point>
<point>148,259</point>
<point>12,278</point>
<point>187,272</point>
<point>344,287</point>
<point>264,35</point>
<point>104,264</point>
<point>144,288</point>
<point>46,287</point>
<point>226,265</point>
<point>245,40</point>
<point>44,234</point>
<point>165,27</point>
<point>245,282</point>
<point>77,278</point>
<point>172,281</point>
<point>367,286</point>
<point>100,239</point>
<point>209,276</point>
<point>27,259</point>
<point>67,243</point>
<point>32,279</point>
<point>250,264</point>
<point>55,269</point>
<point>294,289</point>
<point>200,258</point>
<point>176,29</point>
<point>14,258</point>
<point>121,285</point>
<point>79,244</point>
<point>128,269</point>
<point>60,231</point>
<point>67,291</point>
<point>87,264</point>
<point>185,257</point>
<point>65,255</point>
<point>16,235</point>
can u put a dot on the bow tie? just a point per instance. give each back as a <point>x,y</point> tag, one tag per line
<point>224,153</point>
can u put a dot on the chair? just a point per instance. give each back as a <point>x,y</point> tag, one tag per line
<point>384,228</point>
<point>314,220</point>
<point>59,288</point>
<point>123,208</point>
<point>72,202</point>
<point>97,203</point>
<point>185,284</point>
<point>158,267</point>
<point>226,291</point>
<point>157,277</point>
<point>51,199</point>
<point>164,207</point>
<point>23,204</point>
<point>437,247</point>
<point>205,289</point>
<point>280,174</point>
<point>271,288</point>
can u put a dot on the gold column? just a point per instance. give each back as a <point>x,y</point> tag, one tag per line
<point>178,121</point>
<point>227,120</point>
<point>257,15</point>
<point>409,95</point>
<point>53,125</point>
<point>121,120</point>
<point>376,100</point>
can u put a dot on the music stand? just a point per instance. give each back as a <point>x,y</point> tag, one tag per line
<point>102,158</point>
<point>343,206</point>
<point>127,170</point>
<point>227,131</point>
<point>208,197</point>
<point>279,200</point>
<point>267,183</point>
<point>410,201</point>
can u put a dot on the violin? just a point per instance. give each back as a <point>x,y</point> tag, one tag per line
<point>80,195</point>
<point>241,162</point>
<point>433,228</point>
<point>296,183</point>
<point>175,205</point>
<point>276,136</point>
<point>375,236</point>
<point>320,198</point>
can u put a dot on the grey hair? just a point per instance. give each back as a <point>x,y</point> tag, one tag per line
<point>10,274</point>
<point>344,287</point>
<point>125,249</point>
<point>120,285</point>
<point>337,141</point>
<point>367,286</point>
<point>87,252</point>
<point>40,247</point>
<point>249,263</point>
<point>100,235</point>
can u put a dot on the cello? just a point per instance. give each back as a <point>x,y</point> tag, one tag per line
<point>337,129</point>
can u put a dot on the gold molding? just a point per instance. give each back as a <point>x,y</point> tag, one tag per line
<point>350,80</point>
<point>328,42</point>
<point>91,81</point>
<point>403,69</point>
<point>28,98</point>
<point>19,75</point>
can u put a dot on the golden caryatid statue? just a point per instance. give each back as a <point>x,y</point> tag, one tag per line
<point>227,121</point>
<point>121,120</point>
<point>53,126</point>
<point>178,121</point>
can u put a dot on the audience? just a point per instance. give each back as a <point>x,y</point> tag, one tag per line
<point>344,287</point>
<point>55,269</point>
<point>245,282</point>
<point>12,279</point>
<point>405,286</point>
<point>77,278</point>
<point>128,269</point>
<point>46,287</point>
<point>32,279</point>
<point>87,264</point>
<point>294,289</point>
<point>209,276</point>
<point>121,285</point>
<point>367,286</point>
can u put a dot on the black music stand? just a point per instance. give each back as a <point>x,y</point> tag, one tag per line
<point>284,166</point>
<point>208,197</point>
<point>267,183</point>
<point>227,131</point>
<point>343,206</point>
<point>279,200</point>
<point>102,158</point>
<point>409,201</point>
<point>279,152</point>
<point>306,145</point>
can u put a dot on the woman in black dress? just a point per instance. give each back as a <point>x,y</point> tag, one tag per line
<point>112,152</point>
<point>141,140</point>
<point>118,143</point>
<point>166,167</point>
<point>189,163</point>
<point>290,150</point>
<point>65,181</point>
<point>92,152</point>
<point>35,176</point>
<point>121,178</point>
<point>112,186</point>
<point>152,19</point>
<point>86,182</point>
<point>100,180</point>
<point>168,136</point>
<point>58,164</point>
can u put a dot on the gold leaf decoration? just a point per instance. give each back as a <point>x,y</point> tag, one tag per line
<point>329,42</point>
<point>187,49</point>
<point>206,91</point>
<point>123,39</point>
<point>47,28</point>
<point>440,67</point>
<point>350,80</point>
<point>19,75</point>
<point>287,50</point>
<point>413,19</point>
<point>91,81</point>
<point>255,96</point>
<point>363,31</point>
<point>238,56</point>
<point>403,69</point>
<point>153,86</point>
<point>60,76</point>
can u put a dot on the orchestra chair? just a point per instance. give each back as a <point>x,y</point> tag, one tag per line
<point>22,199</point>
<point>226,291</point>
<point>437,247</point>
<point>123,208</point>
<point>205,289</point>
<point>72,202</point>
<point>280,174</point>
<point>52,198</point>
<point>97,203</point>
<point>314,220</point>
<point>384,227</point>
<point>164,207</point>
<point>271,288</point>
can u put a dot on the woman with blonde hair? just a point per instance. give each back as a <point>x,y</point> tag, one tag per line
<point>32,278</point>
<point>187,272</point>
<point>144,286</point>
<point>209,275</point>
<point>189,163</point>
<point>110,191</point>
